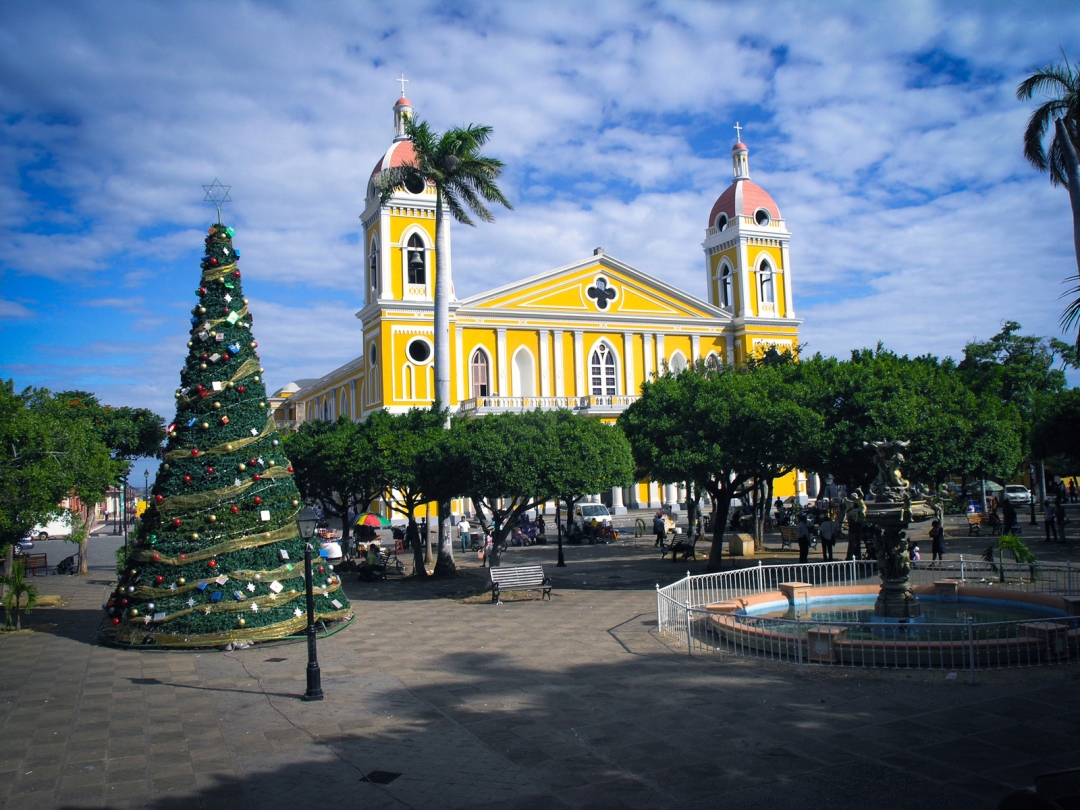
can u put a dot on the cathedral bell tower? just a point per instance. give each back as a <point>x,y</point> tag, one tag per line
<point>747,264</point>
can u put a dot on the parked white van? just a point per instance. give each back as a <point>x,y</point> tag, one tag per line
<point>57,527</point>
<point>587,511</point>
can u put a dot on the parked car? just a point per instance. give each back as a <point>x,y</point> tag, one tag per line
<point>24,546</point>
<point>57,527</point>
<point>1018,494</point>
<point>587,511</point>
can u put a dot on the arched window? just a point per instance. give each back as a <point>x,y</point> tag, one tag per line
<point>712,362</point>
<point>373,266</point>
<point>603,372</point>
<point>480,378</point>
<point>416,258</point>
<point>677,364</point>
<point>727,297</point>
<point>765,281</point>
<point>522,374</point>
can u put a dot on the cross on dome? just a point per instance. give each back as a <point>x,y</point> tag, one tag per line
<point>737,128</point>
<point>403,80</point>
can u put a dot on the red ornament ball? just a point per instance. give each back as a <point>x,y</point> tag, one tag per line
<point>251,461</point>
<point>225,356</point>
<point>290,468</point>
<point>212,563</point>
<point>204,356</point>
<point>225,309</point>
<point>194,451</point>
<point>187,479</point>
<point>156,557</point>
<point>257,499</point>
<point>158,580</point>
<point>321,569</point>
<point>240,388</point>
<point>116,621</point>
<point>176,522</point>
<point>257,477</point>
<point>236,273</point>
<point>209,470</point>
<point>233,509</point>
<point>202,290</point>
<point>159,498</point>
<point>213,260</point>
<point>183,557</point>
<point>123,601</point>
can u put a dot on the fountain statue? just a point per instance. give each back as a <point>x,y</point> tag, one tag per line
<point>886,518</point>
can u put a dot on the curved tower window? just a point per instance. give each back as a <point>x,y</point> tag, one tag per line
<point>765,280</point>
<point>603,372</point>
<point>727,297</point>
<point>677,363</point>
<point>479,366</point>
<point>416,260</point>
<point>373,266</point>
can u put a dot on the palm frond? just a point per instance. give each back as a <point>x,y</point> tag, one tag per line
<point>1045,80</point>
<point>1071,315</point>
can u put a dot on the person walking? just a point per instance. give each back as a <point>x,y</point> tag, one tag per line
<point>1008,512</point>
<point>804,540</point>
<point>1050,519</point>
<point>827,532</point>
<point>937,542</point>
<point>660,527</point>
<point>463,533</point>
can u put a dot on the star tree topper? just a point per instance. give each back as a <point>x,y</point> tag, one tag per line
<point>217,194</point>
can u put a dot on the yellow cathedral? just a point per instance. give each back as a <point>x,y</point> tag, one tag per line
<point>583,336</point>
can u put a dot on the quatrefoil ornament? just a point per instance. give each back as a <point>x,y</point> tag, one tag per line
<point>601,292</point>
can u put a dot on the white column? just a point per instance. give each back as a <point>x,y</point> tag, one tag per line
<point>617,506</point>
<point>354,410</point>
<point>630,389</point>
<point>560,383</point>
<point>785,261</point>
<point>671,497</point>
<point>660,356</point>
<point>579,364</point>
<point>386,287</point>
<point>680,492</point>
<point>635,502</point>
<point>459,360</point>
<point>812,485</point>
<point>695,348</point>
<point>729,341</point>
<point>745,290</point>
<point>647,355</point>
<point>500,360</point>
<point>655,498</point>
<point>545,363</point>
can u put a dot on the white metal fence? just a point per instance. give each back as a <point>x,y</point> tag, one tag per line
<point>681,613</point>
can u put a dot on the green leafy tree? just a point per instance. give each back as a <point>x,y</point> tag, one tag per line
<point>1055,436</point>
<point>442,469</point>
<point>16,588</point>
<point>721,429</point>
<point>1059,83</point>
<point>589,457</point>
<point>408,439</point>
<point>1017,549</point>
<point>218,556</point>
<point>504,471</point>
<point>340,465</point>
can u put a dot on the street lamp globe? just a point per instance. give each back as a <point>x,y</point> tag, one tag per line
<point>306,522</point>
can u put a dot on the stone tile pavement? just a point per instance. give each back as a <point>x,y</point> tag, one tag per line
<point>529,704</point>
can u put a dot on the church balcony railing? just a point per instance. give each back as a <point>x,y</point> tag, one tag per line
<point>478,406</point>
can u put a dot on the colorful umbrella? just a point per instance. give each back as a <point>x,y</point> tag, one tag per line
<point>371,519</point>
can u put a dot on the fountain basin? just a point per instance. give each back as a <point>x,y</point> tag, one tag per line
<point>1039,627</point>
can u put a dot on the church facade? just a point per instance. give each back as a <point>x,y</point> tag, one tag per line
<point>584,336</point>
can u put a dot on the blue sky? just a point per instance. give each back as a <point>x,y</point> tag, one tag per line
<point>888,133</point>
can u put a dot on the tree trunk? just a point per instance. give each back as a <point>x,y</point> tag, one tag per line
<point>442,307</point>
<point>412,535</point>
<point>721,506</point>
<point>444,562</point>
<point>9,566</point>
<point>1072,174</point>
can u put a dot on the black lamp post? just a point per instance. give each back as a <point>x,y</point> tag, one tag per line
<point>146,488</point>
<point>1031,475</point>
<point>558,522</point>
<point>306,522</point>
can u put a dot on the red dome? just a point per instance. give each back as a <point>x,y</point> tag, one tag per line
<point>743,197</point>
<point>738,146</point>
<point>400,153</point>
<point>403,102</point>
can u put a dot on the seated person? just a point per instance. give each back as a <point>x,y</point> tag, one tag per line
<point>372,565</point>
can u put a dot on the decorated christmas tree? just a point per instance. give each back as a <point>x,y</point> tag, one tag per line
<point>218,556</point>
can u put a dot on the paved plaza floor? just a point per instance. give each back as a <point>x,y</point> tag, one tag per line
<point>576,702</point>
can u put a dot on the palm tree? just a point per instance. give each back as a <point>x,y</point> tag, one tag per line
<point>1060,83</point>
<point>17,588</point>
<point>464,180</point>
